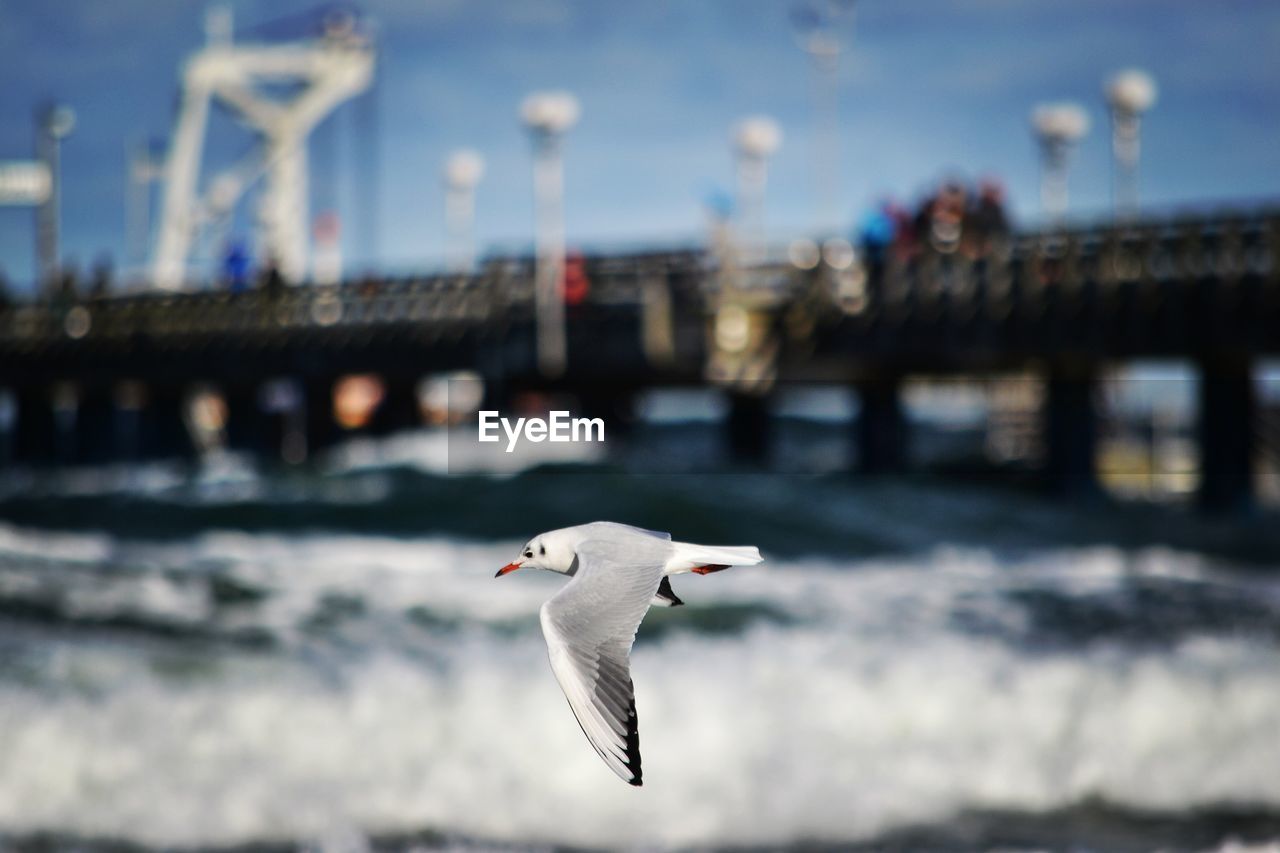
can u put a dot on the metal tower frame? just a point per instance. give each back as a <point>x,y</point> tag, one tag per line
<point>329,70</point>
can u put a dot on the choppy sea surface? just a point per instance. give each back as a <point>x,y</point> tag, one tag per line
<point>320,658</point>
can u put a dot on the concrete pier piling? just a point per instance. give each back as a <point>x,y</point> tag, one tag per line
<point>880,430</point>
<point>322,430</point>
<point>164,428</point>
<point>97,426</point>
<point>399,409</point>
<point>248,428</point>
<point>1226,434</point>
<point>750,427</point>
<point>35,430</point>
<point>1069,419</point>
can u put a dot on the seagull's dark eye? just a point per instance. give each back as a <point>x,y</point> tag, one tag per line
<point>528,555</point>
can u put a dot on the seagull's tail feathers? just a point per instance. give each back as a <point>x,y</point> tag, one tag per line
<point>704,559</point>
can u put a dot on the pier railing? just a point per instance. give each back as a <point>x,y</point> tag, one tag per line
<point>1220,270</point>
<point>1064,305</point>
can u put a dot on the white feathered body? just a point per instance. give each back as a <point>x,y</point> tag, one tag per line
<point>618,571</point>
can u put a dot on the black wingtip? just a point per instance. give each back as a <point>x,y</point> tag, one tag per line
<point>633,746</point>
<point>667,594</point>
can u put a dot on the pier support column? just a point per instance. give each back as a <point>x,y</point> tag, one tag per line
<point>495,395</point>
<point>249,428</point>
<point>8,425</point>
<point>750,427</point>
<point>1226,419</point>
<point>616,408</point>
<point>1070,430</point>
<point>322,430</point>
<point>129,398</point>
<point>66,414</point>
<point>34,430</point>
<point>881,428</point>
<point>399,409</point>
<point>96,439</point>
<point>164,425</point>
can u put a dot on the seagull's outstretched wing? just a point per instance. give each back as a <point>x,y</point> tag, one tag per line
<point>590,626</point>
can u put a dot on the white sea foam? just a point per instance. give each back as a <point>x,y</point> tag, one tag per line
<point>454,451</point>
<point>229,476</point>
<point>80,547</point>
<point>868,708</point>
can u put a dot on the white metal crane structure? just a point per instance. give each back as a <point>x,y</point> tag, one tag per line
<point>318,75</point>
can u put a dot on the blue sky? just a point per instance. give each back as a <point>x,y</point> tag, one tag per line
<point>930,87</point>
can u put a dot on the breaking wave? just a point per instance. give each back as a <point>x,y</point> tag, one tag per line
<point>229,688</point>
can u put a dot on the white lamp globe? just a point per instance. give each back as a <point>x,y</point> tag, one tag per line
<point>1131,91</point>
<point>464,169</point>
<point>1065,122</point>
<point>62,120</point>
<point>757,136</point>
<point>550,112</point>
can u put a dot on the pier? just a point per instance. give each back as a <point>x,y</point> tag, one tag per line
<point>94,379</point>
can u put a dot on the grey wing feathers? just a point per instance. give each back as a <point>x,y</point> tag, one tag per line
<point>615,528</point>
<point>590,626</point>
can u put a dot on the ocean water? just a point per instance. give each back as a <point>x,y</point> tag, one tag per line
<point>321,659</point>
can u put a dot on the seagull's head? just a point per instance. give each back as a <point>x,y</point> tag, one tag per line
<point>552,551</point>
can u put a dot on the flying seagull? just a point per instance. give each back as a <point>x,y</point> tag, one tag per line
<point>590,624</point>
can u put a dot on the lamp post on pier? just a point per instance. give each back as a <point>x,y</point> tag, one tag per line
<point>1057,127</point>
<point>1130,93</point>
<point>820,27</point>
<point>462,172</point>
<point>548,116</point>
<point>54,123</point>
<point>755,139</point>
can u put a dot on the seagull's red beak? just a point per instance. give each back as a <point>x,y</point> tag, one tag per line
<point>508,569</point>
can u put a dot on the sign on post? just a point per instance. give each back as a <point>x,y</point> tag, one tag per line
<point>24,182</point>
